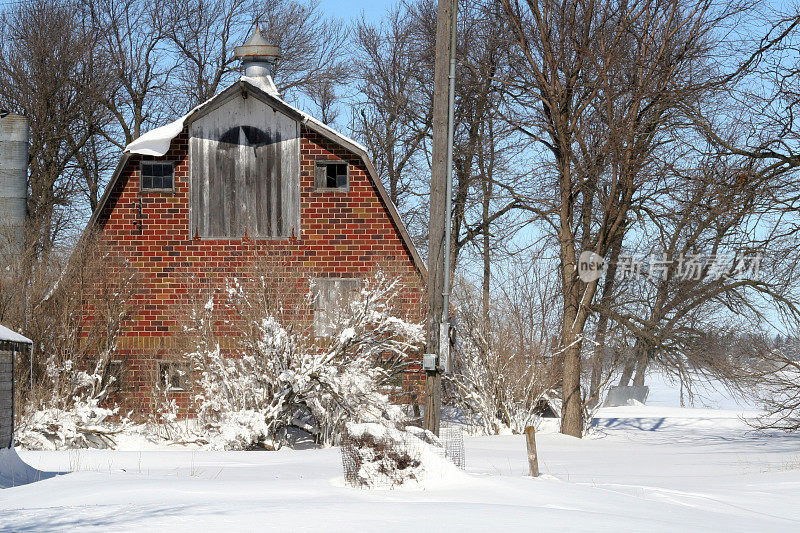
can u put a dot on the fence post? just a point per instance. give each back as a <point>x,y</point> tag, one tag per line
<point>533,459</point>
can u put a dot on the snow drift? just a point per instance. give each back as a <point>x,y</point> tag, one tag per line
<point>15,472</point>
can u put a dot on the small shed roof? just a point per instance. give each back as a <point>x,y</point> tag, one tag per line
<point>10,336</point>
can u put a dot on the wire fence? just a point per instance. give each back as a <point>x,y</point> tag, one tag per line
<point>388,459</point>
<point>452,440</point>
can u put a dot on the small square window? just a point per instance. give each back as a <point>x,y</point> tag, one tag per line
<point>157,176</point>
<point>173,376</point>
<point>332,175</point>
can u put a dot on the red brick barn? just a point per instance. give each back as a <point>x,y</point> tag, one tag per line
<point>242,176</point>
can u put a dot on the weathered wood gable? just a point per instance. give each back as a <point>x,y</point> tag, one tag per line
<point>244,160</point>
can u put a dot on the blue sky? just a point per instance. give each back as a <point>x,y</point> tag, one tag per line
<point>349,9</point>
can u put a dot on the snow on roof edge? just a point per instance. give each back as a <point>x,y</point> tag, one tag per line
<point>156,142</point>
<point>11,335</point>
<point>333,132</point>
<point>274,93</point>
<point>270,90</point>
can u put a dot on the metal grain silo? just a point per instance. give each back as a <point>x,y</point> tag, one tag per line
<point>13,178</point>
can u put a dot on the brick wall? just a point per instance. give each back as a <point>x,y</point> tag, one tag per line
<point>344,233</point>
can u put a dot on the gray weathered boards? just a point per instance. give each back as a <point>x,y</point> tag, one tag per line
<point>621,395</point>
<point>332,296</point>
<point>6,398</point>
<point>245,171</point>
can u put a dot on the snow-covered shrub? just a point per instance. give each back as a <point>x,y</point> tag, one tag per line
<point>73,418</point>
<point>376,455</point>
<point>280,375</point>
<point>502,376</point>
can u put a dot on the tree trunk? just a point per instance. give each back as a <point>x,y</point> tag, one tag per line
<point>572,329</point>
<point>572,405</point>
<point>632,363</point>
<point>487,265</point>
<point>598,358</point>
<point>627,371</point>
<point>641,368</point>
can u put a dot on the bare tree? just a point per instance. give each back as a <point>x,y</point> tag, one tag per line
<point>315,51</point>
<point>596,87</point>
<point>133,41</point>
<point>48,73</point>
<point>704,265</point>
<point>395,70</point>
<point>390,122</point>
<point>203,33</point>
<point>743,175</point>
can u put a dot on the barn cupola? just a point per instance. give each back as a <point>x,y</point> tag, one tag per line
<point>258,58</point>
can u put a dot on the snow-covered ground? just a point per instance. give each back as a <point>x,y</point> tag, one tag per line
<point>654,468</point>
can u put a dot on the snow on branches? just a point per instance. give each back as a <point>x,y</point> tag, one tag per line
<point>497,385</point>
<point>280,376</point>
<point>72,417</point>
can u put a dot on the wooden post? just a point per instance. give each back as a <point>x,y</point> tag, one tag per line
<point>439,217</point>
<point>533,459</point>
<point>433,401</point>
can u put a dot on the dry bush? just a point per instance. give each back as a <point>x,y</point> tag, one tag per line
<point>75,327</point>
<point>777,378</point>
<point>766,371</point>
<point>505,370</point>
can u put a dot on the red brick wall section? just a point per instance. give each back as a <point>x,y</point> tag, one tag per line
<point>344,233</point>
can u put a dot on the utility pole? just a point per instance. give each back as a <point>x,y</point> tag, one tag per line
<point>438,356</point>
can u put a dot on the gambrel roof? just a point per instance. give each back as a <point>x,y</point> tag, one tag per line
<point>157,142</point>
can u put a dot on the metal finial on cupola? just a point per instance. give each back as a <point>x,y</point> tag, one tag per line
<point>258,58</point>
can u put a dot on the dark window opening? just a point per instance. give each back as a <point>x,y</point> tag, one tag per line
<point>173,376</point>
<point>332,175</point>
<point>157,176</point>
<point>244,136</point>
<point>114,377</point>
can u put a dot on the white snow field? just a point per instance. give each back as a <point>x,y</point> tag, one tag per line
<point>654,468</point>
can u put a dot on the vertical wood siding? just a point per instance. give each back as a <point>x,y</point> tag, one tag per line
<point>245,172</point>
<point>332,298</point>
<point>6,398</point>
